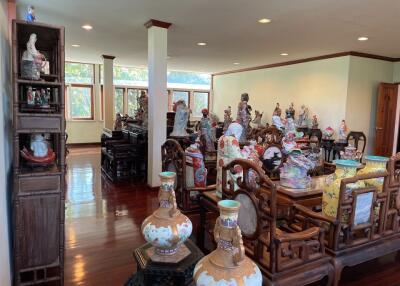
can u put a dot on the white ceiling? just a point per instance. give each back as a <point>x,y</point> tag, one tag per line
<point>302,28</point>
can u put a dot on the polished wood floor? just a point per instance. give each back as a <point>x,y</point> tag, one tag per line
<point>103,222</point>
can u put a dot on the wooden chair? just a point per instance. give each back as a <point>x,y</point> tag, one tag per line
<point>352,240</point>
<point>357,139</point>
<point>271,140</point>
<point>174,159</point>
<point>284,258</point>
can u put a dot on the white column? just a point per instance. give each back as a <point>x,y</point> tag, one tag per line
<point>108,91</point>
<point>158,99</point>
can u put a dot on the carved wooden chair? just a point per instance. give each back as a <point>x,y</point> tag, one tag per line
<point>367,224</point>
<point>284,258</point>
<point>357,139</point>
<point>174,159</point>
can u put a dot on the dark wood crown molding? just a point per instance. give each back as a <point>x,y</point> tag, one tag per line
<point>294,62</point>
<point>157,23</point>
<point>108,57</point>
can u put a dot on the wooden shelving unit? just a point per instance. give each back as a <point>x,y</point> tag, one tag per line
<point>39,191</point>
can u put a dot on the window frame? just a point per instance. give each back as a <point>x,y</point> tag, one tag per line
<point>208,99</point>
<point>67,108</point>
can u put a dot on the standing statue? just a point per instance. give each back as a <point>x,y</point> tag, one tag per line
<point>303,116</point>
<point>181,119</point>
<point>343,130</point>
<point>227,118</point>
<point>244,116</point>
<point>290,112</point>
<point>118,122</point>
<point>30,96</point>
<point>206,135</point>
<point>30,16</point>
<point>196,172</point>
<point>277,110</point>
<point>256,123</point>
<point>32,61</point>
<point>144,107</point>
<point>314,122</point>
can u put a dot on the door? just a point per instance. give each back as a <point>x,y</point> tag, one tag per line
<point>386,124</point>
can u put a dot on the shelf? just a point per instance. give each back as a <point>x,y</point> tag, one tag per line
<point>27,171</point>
<point>39,82</point>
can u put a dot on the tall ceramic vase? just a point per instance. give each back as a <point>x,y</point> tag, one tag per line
<point>330,196</point>
<point>167,228</point>
<point>227,265</point>
<point>374,164</point>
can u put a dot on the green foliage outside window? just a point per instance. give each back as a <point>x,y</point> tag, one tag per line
<point>200,100</point>
<point>133,95</point>
<point>119,101</point>
<point>79,73</point>
<point>178,95</point>
<point>80,102</point>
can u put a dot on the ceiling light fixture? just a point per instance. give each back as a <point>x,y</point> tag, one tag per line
<point>284,54</point>
<point>363,38</point>
<point>202,44</point>
<point>87,27</point>
<point>76,45</point>
<point>264,21</point>
<point>236,64</point>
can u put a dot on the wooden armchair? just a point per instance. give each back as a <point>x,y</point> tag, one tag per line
<point>174,159</point>
<point>284,258</point>
<point>367,222</point>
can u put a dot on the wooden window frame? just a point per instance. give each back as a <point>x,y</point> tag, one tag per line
<point>67,109</point>
<point>208,98</point>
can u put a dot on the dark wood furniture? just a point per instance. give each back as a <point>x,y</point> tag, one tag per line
<point>174,159</point>
<point>39,190</point>
<point>350,240</point>
<point>327,144</point>
<point>150,273</point>
<point>357,139</point>
<point>284,258</point>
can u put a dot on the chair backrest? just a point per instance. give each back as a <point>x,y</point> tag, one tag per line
<point>357,139</point>
<point>270,135</point>
<point>392,190</point>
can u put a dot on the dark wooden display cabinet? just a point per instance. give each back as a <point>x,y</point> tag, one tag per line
<point>39,189</point>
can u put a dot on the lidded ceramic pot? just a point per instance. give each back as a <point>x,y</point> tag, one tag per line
<point>227,265</point>
<point>351,153</point>
<point>330,195</point>
<point>374,164</point>
<point>167,228</point>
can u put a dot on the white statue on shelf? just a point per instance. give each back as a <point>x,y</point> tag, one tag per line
<point>181,119</point>
<point>33,61</point>
<point>39,146</point>
<point>303,117</point>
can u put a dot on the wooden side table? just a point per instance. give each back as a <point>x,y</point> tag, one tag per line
<point>327,144</point>
<point>151,273</point>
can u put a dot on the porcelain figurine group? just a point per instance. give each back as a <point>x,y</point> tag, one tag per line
<point>32,62</point>
<point>39,152</point>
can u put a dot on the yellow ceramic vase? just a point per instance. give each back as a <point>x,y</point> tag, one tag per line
<point>374,164</point>
<point>330,196</point>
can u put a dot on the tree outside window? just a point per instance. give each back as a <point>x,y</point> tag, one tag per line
<point>80,102</point>
<point>119,101</point>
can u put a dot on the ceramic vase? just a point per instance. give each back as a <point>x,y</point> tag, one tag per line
<point>351,153</point>
<point>374,164</point>
<point>167,228</point>
<point>227,265</point>
<point>330,196</point>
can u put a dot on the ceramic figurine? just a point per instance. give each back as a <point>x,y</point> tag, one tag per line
<point>40,153</point>
<point>206,135</point>
<point>32,60</point>
<point>314,122</point>
<point>257,120</point>
<point>343,131</point>
<point>277,110</point>
<point>244,116</point>
<point>30,96</point>
<point>167,228</point>
<point>277,121</point>
<point>289,143</point>
<point>290,112</point>
<point>39,146</point>
<point>330,196</point>
<point>293,174</point>
<point>30,16</point>
<point>196,172</point>
<point>44,98</point>
<point>328,132</point>
<point>181,119</point>
<point>303,117</point>
<point>227,118</point>
<point>144,107</point>
<point>118,122</point>
<point>374,164</point>
<point>227,265</point>
<point>350,153</point>
<point>37,97</point>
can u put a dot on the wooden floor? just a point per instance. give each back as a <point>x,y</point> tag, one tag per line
<point>103,222</point>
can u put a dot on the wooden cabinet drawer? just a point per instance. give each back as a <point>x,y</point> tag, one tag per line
<point>39,184</point>
<point>28,123</point>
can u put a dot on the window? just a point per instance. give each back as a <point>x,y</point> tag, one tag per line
<point>200,101</point>
<point>79,73</point>
<point>119,100</point>
<point>133,95</point>
<point>130,76</point>
<point>80,104</point>
<point>188,80</point>
<point>179,95</point>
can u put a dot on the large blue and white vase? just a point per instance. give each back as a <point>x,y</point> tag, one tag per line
<point>167,228</point>
<point>227,265</point>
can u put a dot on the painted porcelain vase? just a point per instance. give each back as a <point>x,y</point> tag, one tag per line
<point>293,174</point>
<point>350,153</point>
<point>167,228</point>
<point>374,164</point>
<point>330,196</point>
<point>227,265</point>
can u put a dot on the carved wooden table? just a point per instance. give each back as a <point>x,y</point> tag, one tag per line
<point>150,273</point>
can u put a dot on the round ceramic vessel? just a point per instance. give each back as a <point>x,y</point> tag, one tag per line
<point>374,164</point>
<point>330,196</point>
<point>227,265</point>
<point>167,228</point>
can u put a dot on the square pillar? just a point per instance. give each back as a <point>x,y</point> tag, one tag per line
<point>108,91</point>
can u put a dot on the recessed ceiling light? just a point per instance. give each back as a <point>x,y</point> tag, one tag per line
<point>236,64</point>
<point>202,44</point>
<point>363,38</point>
<point>87,27</point>
<point>284,54</point>
<point>76,45</point>
<point>264,21</point>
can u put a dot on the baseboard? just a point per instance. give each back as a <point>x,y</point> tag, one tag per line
<point>86,145</point>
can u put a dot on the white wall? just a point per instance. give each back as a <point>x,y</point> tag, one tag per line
<point>321,85</point>
<point>5,139</point>
<point>364,78</point>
